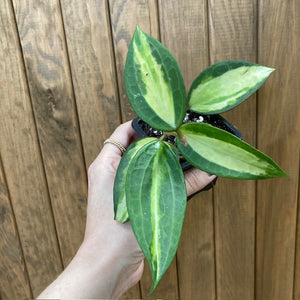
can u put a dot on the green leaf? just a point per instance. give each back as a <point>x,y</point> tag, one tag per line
<point>225,85</point>
<point>154,83</point>
<point>156,202</point>
<point>218,152</point>
<point>120,208</point>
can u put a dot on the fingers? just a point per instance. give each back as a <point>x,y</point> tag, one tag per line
<point>196,180</point>
<point>110,155</point>
<point>124,134</point>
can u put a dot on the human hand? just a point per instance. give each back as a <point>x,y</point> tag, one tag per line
<point>109,260</point>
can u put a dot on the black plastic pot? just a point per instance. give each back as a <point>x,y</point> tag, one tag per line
<point>139,126</point>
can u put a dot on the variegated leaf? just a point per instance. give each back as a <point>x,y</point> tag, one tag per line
<point>218,152</point>
<point>154,83</point>
<point>156,202</point>
<point>225,85</point>
<point>120,207</point>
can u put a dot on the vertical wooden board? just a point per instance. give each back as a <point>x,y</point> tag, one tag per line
<point>13,273</point>
<point>92,64</point>
<point>233,37</point>
<point>183,27</point>
<point>22,161</point>
<point>43,44</point>
<point>195,256</point>
<point>235,239</point>
<point>125,16</point>
<point>297,254</point>
<point>278,136</point>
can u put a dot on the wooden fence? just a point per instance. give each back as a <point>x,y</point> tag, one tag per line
<point>62,94</point>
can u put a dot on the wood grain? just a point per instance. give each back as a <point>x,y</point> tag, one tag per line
<point>233,37</point>
<point>24,168</point>
<point>195,256</point>
<point>297,249</point>
<point>183,27</point>
<point>92,64</point>
<point>278,136</point>
<point>13,273</point>
<point>43,44</point>
<point>125,16</point>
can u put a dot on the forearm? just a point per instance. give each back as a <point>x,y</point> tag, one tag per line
<point>87,276</point>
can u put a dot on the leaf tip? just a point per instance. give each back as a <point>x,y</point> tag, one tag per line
<point>137,34</point>
<point>268,71</point>
<point>121,220</point>
<point>153,287</point>
<point>137,28</point>
<point>283,174</point>
<point>278,172</point>
<point>139,31</point>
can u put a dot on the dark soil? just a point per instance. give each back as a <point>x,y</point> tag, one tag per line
<point>214,120</point>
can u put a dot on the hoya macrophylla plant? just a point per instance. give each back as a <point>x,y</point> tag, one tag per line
<point>149,188</point>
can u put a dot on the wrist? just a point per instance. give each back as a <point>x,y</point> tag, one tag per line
<point>89,275</point>
<point>122,270</point>
<point>101,268</point>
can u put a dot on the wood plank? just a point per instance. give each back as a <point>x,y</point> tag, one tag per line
<point>13,273</point>
<point>278,136</point>
<point>22,161</point>
<point>43,44</point>
<point>297,254</point>
<point>183,27</point>
<point>92,64</point>
<point>233,37</point>
<point>125,15</point>
<point>195,256</point>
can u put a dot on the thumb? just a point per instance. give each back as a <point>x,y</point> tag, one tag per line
<point>196,180</point>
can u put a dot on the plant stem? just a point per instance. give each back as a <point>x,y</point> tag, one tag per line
<point>162,137</point>
<point>182,137</point>
<point>166,134</point>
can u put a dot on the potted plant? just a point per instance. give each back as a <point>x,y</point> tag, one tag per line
<point>144,130</point>
<point>149,188</point>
